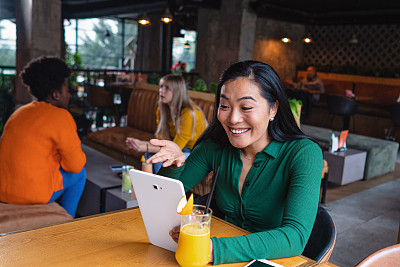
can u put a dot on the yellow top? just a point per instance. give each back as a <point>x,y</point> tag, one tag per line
<point>185,138</point>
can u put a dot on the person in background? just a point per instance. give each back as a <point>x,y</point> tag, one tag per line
<point>178,119</point>
<point>41,159</point>
<point>308,90</point>
<point>270,172</point>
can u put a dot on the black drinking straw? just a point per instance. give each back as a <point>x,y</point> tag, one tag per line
<point>210,195</point>
<point>125,161</point>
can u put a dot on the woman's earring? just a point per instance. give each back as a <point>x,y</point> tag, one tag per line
<point>272,118</point>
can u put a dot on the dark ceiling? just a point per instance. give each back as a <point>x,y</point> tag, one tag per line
<point>301,11</point>
<point>330,11</point>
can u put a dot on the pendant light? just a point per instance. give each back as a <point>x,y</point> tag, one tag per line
<point>166,17</point>
<point>144,20</point>
<point>307,39</point>
<point>186,45</point>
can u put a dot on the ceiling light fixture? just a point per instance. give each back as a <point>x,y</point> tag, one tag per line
<point>186,45</point>
<point>144,20</point>
<point>286,40</point>
<point>166,17</point>
<point>353,39</point>
<point>307,39</point>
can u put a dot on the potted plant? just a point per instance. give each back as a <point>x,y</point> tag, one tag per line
<point>295,106</point>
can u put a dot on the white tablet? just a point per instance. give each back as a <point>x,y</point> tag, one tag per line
<point>158,198</point>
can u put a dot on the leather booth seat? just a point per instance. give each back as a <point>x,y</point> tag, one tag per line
<point>141,123</point>
<point>14,217</point>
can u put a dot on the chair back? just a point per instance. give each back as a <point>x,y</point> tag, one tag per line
<point>339,105</point>
<point>386,257</point>
<point>99,97</point>
<point>323,237</point>
<point>395,114</point>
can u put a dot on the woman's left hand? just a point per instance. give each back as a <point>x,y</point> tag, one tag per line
<point>170,153</point>
<point>174,233</point>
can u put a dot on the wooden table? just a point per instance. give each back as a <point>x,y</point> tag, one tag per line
<point>111,239</point>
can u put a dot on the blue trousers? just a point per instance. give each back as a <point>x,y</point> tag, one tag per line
<point>157,166</point>
<point>69,197</point>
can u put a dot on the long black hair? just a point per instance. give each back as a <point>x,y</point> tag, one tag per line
<point>282,128</point>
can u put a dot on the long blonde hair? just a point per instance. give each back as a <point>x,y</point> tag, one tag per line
<point>180,100</point>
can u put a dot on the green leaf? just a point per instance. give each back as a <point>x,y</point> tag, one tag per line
<point>295,106</point>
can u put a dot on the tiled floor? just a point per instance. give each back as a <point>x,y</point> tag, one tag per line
<point>366,222</point>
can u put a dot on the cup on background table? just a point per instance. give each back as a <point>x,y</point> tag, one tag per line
<point>126,179</point>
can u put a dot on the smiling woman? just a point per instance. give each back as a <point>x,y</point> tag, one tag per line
<point>270,171</point>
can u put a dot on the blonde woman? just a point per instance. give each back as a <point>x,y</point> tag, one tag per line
<point>178,119</point>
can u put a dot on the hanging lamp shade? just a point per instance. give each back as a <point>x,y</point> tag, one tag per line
<point>166,17</point>
<point>144,20</point>
<point>186,45</point>
<point>286,40</point>
<point>307,39</point>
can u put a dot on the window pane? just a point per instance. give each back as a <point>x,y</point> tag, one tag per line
<point>100,41</point>
<point>182,54</point>
<point>8,37</point>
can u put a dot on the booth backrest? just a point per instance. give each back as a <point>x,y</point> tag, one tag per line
<point>369,90</point>
<point>142,109</point>
<point>333,87</point>
<point>206,106</point>
<point>380,94</point>
<point>143,103</point>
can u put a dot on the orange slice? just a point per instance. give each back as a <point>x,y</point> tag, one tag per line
<point>185,207</point>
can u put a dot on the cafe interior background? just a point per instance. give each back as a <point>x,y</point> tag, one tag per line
<point>105,40</point>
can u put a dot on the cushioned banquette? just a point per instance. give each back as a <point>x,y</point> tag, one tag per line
<point>14,217</point>
<point>381,154</point>
<point>141,122</point>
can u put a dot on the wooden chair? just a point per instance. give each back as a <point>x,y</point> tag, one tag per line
<point>342,106</point>
<point>395,116</point>
<point>322,239</point>
<point>389,256</point>
<point>325,168</point>
<point>324,177</point>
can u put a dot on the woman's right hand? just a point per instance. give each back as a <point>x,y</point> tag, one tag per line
<point>170,153</point>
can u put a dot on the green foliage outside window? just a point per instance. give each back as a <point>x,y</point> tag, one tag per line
<point>100,42</point>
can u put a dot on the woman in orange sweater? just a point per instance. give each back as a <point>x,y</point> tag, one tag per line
<point>41,159</point>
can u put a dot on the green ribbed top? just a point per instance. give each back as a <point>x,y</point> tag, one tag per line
<point>279,198</point>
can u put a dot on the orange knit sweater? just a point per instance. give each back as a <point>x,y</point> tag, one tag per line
<point>38,139</point>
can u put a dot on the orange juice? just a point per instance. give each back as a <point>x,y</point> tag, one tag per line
<point>193,245</point>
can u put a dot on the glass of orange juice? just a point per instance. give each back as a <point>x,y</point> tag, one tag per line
<point>194,238</point>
